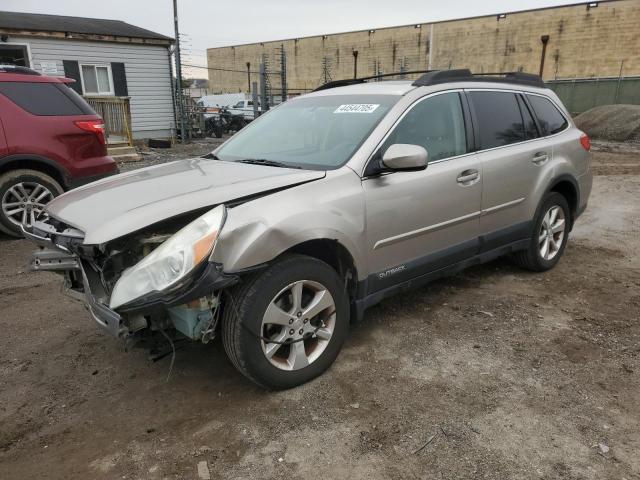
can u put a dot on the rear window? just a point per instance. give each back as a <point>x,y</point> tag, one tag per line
<point>46,99</point>
<point>550,119</point>
<point>499,119</point>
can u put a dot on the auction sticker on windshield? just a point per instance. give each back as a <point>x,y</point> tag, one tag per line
<point>357,108</point>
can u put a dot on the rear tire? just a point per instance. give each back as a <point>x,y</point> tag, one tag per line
<point>24,191</point>
<point>549,237</point>
<point>246,331</point>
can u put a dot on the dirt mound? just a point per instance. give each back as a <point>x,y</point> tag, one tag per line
<point>620,123</point>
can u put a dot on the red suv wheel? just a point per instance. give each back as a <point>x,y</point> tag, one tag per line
<point>23,196</point>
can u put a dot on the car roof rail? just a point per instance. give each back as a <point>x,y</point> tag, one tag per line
<point>18,69</point>
<point>355,81</point>
<point>464,75</point>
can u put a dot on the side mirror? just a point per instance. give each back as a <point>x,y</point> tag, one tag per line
<point>403,156</point>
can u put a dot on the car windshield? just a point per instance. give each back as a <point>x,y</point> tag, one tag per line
<point>317,133</point>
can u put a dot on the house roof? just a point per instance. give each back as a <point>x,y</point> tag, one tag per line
<point>79,25</point>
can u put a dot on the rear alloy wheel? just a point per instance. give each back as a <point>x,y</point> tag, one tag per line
<point>551,233</point>
<point>23,197</point>
<point>286,324</point>
<point>549,236</point>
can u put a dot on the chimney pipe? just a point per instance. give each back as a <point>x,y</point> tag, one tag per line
<point>544,39</point>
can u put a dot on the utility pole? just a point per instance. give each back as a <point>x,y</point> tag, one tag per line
<point>283,74</point>
<point>255,97</point>
<point>264,73</point>
<point>264,100</point>
<point>355,64</point>
<point>179,73</point>
<point>326,70</point>
<point>249,76</point>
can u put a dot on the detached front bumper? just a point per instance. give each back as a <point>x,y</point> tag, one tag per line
<point>80,283</point>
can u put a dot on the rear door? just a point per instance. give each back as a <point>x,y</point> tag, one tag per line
<point>511,155</point>
<point>420,221</point>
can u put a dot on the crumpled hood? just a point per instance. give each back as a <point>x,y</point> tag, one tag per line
<point>124,203</point>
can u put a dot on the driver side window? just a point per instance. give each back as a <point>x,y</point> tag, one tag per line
<point>436,123</point>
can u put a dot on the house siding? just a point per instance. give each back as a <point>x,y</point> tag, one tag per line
<point>146,67</point>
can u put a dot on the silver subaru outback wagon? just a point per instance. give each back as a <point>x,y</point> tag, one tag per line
<point>319,209</point>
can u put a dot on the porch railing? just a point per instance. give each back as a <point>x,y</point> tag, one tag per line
<point>116,113</point>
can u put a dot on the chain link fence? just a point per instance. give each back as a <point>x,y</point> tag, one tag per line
<point>582,94</point>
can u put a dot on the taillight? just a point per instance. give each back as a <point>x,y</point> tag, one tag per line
<point>94,126</point>
<point>584,141</point>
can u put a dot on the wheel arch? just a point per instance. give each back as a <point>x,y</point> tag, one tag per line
<point>333,253</point>
<point>35,162</point>
<point>568,187</point>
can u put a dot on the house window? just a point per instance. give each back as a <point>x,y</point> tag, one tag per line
<point>13,54</point>
<point>96,79</point>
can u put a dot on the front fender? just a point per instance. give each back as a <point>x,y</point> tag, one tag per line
<point>258,231</point>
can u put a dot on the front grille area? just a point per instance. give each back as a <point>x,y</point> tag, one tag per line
<point>58,233</point>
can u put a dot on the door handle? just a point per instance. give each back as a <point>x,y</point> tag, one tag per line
<point>540,157</point>
<point>468,177</point>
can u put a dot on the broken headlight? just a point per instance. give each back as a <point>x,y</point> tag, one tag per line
<point>172,260</point>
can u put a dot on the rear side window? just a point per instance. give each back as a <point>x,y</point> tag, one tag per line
<point>45,99</point>
<point>530,129</point>
<point>550,119</point>
<point>437,124</point>
<point>499,119</point>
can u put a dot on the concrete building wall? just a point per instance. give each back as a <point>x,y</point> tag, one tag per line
<point>583,42</point>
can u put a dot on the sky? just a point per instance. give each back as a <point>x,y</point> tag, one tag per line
<point>214,23</point>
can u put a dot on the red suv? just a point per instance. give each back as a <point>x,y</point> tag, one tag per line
<point>51,140</point>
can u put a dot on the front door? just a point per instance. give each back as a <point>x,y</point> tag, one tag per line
<point>421,221</point>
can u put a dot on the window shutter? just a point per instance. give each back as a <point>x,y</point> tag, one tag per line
<point>119,79</point>
<point>72,70</point>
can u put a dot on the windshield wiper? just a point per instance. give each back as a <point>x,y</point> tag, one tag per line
<point>268,163</point>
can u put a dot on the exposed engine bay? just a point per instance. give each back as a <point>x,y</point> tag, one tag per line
<point>190,310</point>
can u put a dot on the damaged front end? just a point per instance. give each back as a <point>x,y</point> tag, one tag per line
<point>144,284</point>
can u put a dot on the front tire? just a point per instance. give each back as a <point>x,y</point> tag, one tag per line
<point>23,195</point>
<point>286,325</point>
<point>549,237</point>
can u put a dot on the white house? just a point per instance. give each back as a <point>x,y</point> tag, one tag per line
<point>124,71</point>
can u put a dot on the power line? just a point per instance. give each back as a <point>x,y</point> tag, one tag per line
<point>226,69</point>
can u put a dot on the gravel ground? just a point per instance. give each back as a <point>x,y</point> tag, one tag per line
<point>154,156</point>
<point>618,123</point>
<point>494,373</point>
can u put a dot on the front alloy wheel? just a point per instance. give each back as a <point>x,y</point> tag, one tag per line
<point>286,324</point>
<point>298,325</point>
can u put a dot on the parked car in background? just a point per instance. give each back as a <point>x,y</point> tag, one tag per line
<point>213,103</point>
<point>223,122</point>
<point>245,108</point>
<point>319,209</point>
<point>51,140</point>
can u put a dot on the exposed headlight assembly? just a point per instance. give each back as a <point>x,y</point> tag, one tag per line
<point>172,260</point>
